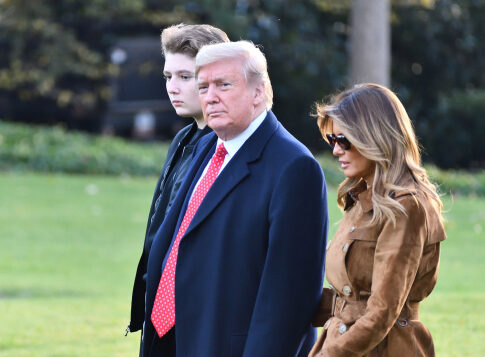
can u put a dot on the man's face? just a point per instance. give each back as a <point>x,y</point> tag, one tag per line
<point>229,104</point>
<point>181,88</point>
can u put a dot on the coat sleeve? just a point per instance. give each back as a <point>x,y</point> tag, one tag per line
<point>292,276</point>
<point>397,257</point>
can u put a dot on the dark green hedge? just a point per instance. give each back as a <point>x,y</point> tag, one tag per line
<point>44,149</point>
<point>448,181</point>
<point>55,63</point>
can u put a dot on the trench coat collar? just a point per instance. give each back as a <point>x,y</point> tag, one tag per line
<point>365,199</point>
<point>359,193</point>
<point>363,194</point>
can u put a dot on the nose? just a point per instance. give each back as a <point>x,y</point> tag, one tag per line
<point>337,150</point>
<point>172,86</point>
<point>210,96</point>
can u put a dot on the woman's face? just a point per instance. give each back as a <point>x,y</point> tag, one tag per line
<point>354,164</point>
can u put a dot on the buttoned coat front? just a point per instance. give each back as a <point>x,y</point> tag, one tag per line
<point>249,268</point>
<point>379,274</point>
<point>179,150</point>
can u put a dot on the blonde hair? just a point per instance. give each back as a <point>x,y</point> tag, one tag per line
<point>376,123</point>
<point>255,67</point>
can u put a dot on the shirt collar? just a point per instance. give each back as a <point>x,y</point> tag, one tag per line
<point>194,127</point>
<point>234,144</point>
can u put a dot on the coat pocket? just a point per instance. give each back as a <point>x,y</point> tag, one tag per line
<point>359,260</point>
<point>360,244</point>
<point>238,341</point>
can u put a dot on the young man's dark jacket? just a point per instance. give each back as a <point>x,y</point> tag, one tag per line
<point>173,172</point>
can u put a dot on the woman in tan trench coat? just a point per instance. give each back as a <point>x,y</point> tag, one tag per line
<point>383,260</point>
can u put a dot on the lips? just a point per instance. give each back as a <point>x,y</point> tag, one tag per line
<point>214,114</point>
<point>344,164</point>
<point>177,102</point>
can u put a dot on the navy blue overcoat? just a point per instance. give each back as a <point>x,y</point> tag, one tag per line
<point>250,266</point>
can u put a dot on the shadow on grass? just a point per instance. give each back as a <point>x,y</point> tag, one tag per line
<point>38,293</point>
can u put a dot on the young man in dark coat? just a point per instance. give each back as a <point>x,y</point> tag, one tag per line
<point>180,45</point>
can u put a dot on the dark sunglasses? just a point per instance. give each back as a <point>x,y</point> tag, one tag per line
<point>340,139</point>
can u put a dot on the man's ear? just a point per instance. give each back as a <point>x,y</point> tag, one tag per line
<point>259,92</point>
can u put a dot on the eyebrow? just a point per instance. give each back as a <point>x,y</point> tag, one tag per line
<point>216,80</point>
<point>182,71</point>
<point>222,79</point>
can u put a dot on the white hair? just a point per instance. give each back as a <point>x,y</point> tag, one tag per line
<point>255,67</point>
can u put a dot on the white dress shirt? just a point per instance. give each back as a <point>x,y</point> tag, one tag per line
<point>233,145</point>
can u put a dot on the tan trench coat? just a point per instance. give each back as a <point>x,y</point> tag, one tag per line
<point>378,276</point>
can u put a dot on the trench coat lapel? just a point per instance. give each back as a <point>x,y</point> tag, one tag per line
<point>235,171</point>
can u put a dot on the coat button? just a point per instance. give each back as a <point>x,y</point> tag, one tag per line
<point>346,290</point>
<point>342,328</point>
<point>345,247</point>
<point>352,229</point>
<point>327,324</point>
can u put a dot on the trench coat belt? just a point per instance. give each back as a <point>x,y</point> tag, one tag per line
<point>350,310</point>
<point>325,308</point>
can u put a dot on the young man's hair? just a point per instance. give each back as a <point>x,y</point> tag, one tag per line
<point>189,39</point>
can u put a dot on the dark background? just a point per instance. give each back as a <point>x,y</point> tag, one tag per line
<point>56,65</point>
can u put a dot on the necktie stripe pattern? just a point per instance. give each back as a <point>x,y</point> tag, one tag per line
<point>163,312</point>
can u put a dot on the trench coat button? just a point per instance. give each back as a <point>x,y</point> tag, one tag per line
<point>352,229</point>
<point>345,247</point>
<point>342,328</point>
<point>346,290</point>
<point>327,324</point>
<point>328,244</point>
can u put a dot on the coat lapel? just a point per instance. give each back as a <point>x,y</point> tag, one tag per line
<point>235,171</point>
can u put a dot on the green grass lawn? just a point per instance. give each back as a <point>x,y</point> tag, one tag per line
<point>69,246</point>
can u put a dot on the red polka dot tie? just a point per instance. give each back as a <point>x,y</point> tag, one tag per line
<point>163,312</point>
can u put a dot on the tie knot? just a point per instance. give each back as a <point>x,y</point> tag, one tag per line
<point>221,151</point>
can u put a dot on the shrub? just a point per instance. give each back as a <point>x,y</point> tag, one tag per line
<point>457,182</point>
<point>24,147</point>
<point>457,133</point>
<point>44,149</point>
